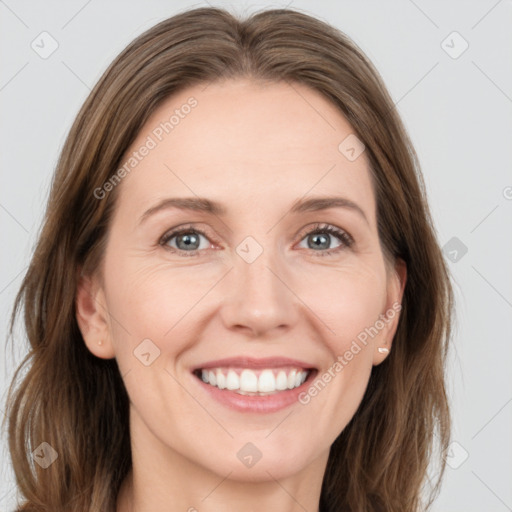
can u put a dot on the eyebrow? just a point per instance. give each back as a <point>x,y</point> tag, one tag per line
<point>202,204</point>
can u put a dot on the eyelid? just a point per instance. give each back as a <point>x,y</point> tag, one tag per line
<point>186,228</point>
<point>324,226</point>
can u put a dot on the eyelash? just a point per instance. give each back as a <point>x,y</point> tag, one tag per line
<point>342,236</point>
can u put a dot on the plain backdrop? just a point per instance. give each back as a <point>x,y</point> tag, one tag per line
<point>448,67</point>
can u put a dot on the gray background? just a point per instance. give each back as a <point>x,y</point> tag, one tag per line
<point>457,111</point>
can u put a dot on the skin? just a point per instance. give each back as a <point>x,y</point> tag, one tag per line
<point>256,148</point>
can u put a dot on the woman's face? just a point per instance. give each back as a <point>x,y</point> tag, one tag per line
<point>254,292</point>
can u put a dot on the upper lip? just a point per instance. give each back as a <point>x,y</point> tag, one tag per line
<point>256,363</point>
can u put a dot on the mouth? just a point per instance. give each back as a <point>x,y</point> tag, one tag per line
<point>251,382</point>
<point>255,385</point>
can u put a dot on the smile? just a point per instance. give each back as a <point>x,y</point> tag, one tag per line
<point>254,385</point>
<point>245,381</point>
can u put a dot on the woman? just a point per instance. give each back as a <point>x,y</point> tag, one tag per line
<point>237,299</point>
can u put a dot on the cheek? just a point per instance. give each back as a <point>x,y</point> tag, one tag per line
<point>346,300</point>
<point>357,308</point>
<point>154,301</point>
<point>147,300</point>
<point>349,306</point>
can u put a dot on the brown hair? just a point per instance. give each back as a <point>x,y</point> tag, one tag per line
<point>77,402</point>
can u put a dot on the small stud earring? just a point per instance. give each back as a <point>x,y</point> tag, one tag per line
<point>100,342</point>
<point>383,350</point>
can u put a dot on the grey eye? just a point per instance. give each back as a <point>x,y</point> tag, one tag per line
<point>186,241</point>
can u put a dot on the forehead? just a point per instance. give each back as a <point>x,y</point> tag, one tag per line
<point>241,141</point>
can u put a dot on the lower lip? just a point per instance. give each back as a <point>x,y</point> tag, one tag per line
<point>254,403</point>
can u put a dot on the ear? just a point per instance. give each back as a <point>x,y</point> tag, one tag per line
<point>92,316</point>
<point>397,277</point>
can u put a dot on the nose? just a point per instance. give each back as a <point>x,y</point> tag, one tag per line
<point>258,298</point>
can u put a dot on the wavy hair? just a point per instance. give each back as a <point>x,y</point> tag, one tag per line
<point>77,402</point>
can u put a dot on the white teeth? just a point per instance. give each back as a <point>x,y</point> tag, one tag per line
<point>291,379</point>
<point>221,380</point>
<point>232,381</point>
<point>281,381</point>
<point>248,382</point>
<point>267,381</point>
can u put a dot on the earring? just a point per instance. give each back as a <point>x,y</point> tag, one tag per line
<point>383,350</point>
<point>100,342</point>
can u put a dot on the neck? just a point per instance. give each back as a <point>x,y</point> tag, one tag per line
<point>192,489</point>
